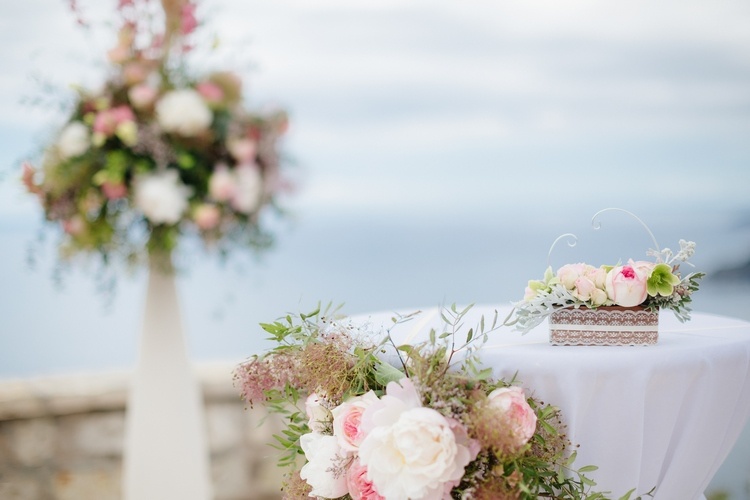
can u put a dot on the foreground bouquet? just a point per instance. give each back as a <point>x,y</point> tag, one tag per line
<point>367,419</point>
<point>650,285</point>
<point>158,151</point>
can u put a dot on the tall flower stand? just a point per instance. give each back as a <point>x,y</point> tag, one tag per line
<point>165,455</point>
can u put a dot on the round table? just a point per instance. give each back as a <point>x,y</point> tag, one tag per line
<point>663,416</point>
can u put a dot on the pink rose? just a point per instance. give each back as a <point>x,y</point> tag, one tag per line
<point>114,190</point>
<point>222,184</point>
<point>627,286</point>
<point>135,72</point>
<point>242,150</point>
<point>189,22</point>
<point>207,216</point>
<point>107,121</point>
<point>514,413</point>
<point>360,488</point>
<point>583,288</point>
<point>569,273</point>
<point>74,226</point>
<point>211,93</point>
<point>142,96</point>
<point>597,275</point>
<point>347,418</point>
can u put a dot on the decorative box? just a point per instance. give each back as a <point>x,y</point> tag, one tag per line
<point>611,325</point>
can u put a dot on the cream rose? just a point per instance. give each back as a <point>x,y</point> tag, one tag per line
<point>74,140</point>
<point>161,196</point>
<point>319,417</point>
<point>183,112</point>
<point>569,273</point>
<point>627,286</point>
<point>411,452</point>
<point>347,418</point>
<point>514,414</point>
<point>324,470</point>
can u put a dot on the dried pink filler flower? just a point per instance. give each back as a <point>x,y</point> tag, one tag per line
<point>259,375</point>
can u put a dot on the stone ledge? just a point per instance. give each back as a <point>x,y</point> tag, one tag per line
<point>81,393</point>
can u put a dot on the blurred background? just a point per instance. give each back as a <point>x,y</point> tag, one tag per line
<point>438,148</point>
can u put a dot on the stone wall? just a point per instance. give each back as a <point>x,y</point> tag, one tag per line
<point>61,438</point>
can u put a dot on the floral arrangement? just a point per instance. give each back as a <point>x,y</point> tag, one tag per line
<point>652,285</point>
<point>368,419</point>
<point>158,151</point>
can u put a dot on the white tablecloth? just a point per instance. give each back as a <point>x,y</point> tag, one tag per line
<point>665,415</point>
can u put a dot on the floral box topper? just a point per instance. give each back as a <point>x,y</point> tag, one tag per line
<point>647,285</point>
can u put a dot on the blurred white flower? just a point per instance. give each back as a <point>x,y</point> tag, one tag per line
<point>74,140</point>
<point>249,192</point>
<point>183,112</point>
<point>161,196</point>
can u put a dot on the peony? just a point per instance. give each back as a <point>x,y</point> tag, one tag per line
<point>360,488</point>
<point>514,413</point>
<point>161,196</point>
<point>324,468</point>
<point>627,286</point>
<point>183,112</point>
<point>249,194</point>
<point>347,418</point>
<point>222,184</point>
<point>74,140</point>
<point>411,452</point>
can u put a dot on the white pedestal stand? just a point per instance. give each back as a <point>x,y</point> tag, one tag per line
<point>165,455</point>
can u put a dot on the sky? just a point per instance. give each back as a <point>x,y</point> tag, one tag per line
<point>406,105</point>
<point>438,148</point>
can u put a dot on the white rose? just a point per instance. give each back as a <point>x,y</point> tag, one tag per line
<point>183,112</point>
<point>161,196</point>
<point>249,191</point>
<point>74,140</point>
<point>319,417</point>
<point>411,452</point>
<point>324,470</point>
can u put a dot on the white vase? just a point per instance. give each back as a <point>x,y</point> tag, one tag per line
<point>165,454</point>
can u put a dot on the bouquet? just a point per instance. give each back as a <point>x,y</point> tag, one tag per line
<point>649,285</point>
<point>369,419</point>
<point>159,151</point>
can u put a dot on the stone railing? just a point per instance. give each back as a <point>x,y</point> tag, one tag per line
<point>61,438</point>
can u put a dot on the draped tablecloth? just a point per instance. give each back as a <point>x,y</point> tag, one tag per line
<point>663,416</point>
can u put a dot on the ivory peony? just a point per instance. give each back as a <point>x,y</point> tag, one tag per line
<point>74,140</point>
<point>324,468</point>
<point>183,112</point>
<point>411,452</point>
<point>161,196</point>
